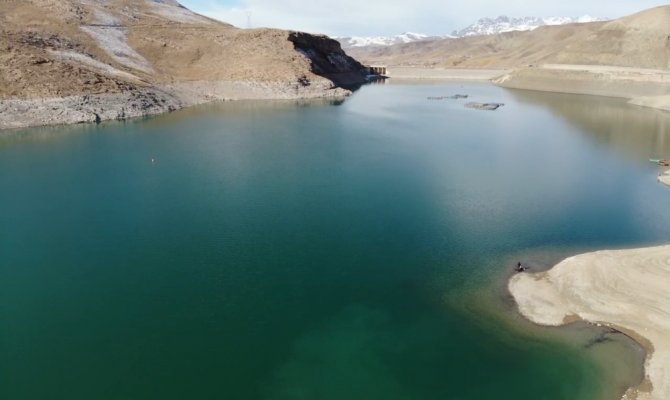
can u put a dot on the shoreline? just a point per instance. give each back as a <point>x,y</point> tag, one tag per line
<point>95,108</point>
<point>448,74</point>
<point>622,289</point>
<point>641,87</point>
<point>19,113</point>
<point>617,354</point>
<point>644,88</point>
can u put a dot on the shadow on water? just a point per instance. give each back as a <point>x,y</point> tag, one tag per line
<point>9,137</point>
<point>639,133</point>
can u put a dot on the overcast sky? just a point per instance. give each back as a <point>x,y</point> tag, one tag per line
<point>390,17</point>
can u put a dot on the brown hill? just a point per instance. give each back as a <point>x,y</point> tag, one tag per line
<point>641,40</point>
<point>100,59</point>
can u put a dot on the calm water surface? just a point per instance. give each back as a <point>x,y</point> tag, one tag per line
<point>318,251</point>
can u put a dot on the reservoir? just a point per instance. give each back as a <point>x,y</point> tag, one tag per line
<point>352,249</point>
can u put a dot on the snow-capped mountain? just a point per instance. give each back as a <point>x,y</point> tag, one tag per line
<point>407,37</point>
<point>485,26</point>
<point>489,26</point>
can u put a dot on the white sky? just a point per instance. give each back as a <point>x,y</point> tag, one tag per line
<point>390,17</point>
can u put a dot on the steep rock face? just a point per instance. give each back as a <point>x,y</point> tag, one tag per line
<point>51,49</point>
<point>327,58</point>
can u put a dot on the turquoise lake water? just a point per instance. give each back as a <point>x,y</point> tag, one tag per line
<point>319,250</point>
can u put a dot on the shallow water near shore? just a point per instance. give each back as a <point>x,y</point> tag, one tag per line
<point>319,250</point>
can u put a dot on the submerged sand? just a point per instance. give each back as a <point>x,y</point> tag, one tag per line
<point>626,289</point>
<point>665,177</point>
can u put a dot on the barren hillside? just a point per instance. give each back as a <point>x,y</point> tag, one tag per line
<point>100,59</point>
<point>641,40</point>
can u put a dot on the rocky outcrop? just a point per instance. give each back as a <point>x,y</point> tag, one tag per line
<point>328,59</point>
<point>18,113</point>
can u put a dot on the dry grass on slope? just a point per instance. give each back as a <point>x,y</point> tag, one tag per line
<point>641,40</point>
<point>59,48</point>
<point>510,49</point>
<point>197,53</point>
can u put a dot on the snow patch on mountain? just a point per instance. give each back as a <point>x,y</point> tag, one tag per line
<point>485,26</point>
<point>492,26</point>
<point>406,37</point>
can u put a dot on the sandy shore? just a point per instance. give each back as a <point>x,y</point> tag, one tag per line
<point>660,102</point>
<point>643,87</point>
<point>445,73</point>
<point>625,289</point>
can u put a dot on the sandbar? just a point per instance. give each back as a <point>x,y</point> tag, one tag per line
<point>450,74</point>
<point>628,290</point>
<point>664,178</point>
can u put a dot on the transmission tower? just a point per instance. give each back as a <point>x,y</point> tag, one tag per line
<point>248,12</point>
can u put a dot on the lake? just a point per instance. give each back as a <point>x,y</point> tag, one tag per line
<point>320,250</point>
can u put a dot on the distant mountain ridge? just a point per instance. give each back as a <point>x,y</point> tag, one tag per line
<point>405,37</point>
<point>640,40</point>
<point>484,26</point>
<point>501,24</point>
